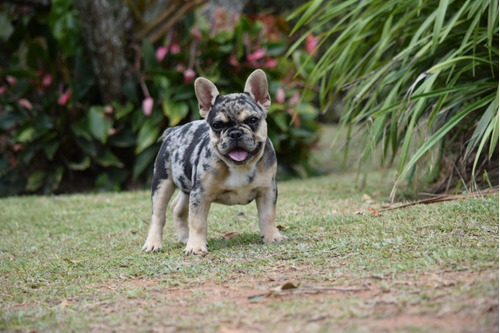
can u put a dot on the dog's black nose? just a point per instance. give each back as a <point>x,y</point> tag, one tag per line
<point>235,134</point>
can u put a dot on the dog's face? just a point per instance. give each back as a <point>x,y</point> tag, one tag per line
<point>237,121</point>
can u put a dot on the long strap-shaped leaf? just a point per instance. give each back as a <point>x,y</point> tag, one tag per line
<point>437,136</point>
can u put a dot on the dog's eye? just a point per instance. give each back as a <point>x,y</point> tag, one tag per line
<point>252,120</point>
<point>217,126</point>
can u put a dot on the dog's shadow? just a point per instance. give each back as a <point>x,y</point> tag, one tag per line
<point>238,240</point>
<point>219,243</point>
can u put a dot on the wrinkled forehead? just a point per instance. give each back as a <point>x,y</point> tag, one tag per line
<point>234,107</point>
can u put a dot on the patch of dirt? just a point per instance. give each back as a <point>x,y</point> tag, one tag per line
<point>446,301</point>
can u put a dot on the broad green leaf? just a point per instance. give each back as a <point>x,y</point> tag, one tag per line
<point>142,160</point>
<point>50,149</point>
<point>82,165</point>
<point>35,180</point>
<point>26,135</point>
<point>108,159</point>
<point>122,110</point>
<point>98,123</point>
<point>148,134</point>
<point>175,111</point>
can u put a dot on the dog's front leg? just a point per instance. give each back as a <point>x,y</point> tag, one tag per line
<point>198,212</point>
<point>266,206</point>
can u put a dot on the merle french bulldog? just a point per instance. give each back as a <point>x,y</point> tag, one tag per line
<point>226,158</point>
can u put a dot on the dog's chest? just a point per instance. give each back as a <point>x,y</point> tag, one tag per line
<point>240,187</point>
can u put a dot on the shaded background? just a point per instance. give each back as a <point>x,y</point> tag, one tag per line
<point>87,87</point>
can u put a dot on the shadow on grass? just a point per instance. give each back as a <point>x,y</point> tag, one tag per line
<point>243,239</point>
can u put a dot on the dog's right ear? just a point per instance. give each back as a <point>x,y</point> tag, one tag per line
<point>206,93</point>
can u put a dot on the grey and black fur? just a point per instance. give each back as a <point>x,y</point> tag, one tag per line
<point>226,158</point>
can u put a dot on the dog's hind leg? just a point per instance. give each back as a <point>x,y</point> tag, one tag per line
<point>180,210</point>
<point>160,197</point>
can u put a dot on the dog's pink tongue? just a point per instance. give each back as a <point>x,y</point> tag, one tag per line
<point>238,155</point>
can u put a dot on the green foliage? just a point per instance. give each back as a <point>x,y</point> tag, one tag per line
<point>416,74</point>
<point>55,135</point>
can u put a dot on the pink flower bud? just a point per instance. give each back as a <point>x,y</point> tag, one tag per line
<point>233,61</point>
<point>108,110</point>
<point>161,52</point>
<point>65,97</point>
<point>196,33</point>
<point>12,80</point>
<point>280,95</point>
<point>17,147</point>
<point>147,106</point>
<point>175,48</point>
<point>271,63</point>
<point>294,99</point>
<point>25,103</point>
<point>189,75</point>
<point>47,80</point>
<point>258,54</point>
<point>311,43</point>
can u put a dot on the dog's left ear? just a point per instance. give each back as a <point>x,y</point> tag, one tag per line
<point>257,87</point>
<point>206,93</point>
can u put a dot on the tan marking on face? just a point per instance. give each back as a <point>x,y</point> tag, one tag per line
<point>244,115</point>
<point>261,133</point>
<point>222,117</point>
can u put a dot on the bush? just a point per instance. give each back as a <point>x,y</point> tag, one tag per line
<point>56,136</point>
<point>415,75</point>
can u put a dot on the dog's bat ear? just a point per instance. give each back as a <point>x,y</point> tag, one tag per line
<point>206,93</point>
<point>257,87</point>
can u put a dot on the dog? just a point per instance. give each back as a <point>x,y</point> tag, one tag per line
<point>226,158</point>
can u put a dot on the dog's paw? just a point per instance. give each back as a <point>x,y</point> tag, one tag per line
<point>274,238</point>
<point>152,245</point>
<point>200,249</point>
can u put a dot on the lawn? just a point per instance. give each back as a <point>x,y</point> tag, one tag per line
<point>73,263</point>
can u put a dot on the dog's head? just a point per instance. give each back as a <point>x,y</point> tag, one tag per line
<point>237,121</point>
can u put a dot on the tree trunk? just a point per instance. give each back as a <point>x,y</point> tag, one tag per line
<point>103,24</point>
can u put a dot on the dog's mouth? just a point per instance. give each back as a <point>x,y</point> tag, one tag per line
<point>239,155</point>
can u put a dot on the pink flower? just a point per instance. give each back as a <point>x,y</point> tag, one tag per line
<point>175,48</point>
<point>47,80</point>
<point>12,80</point>
<point>312,43</point>
<point>25,103</point>
<point>294,99</point>
<point>189,75</point>
<point>258,54</point>
<point>65,97</point>
<point>108,110</point>
<point>196,33</point>
<point>280,95</point>
<point>147,106</point>
<point>2,89</point>
<point>18,147</point>
<point>161,52</point>
<point>271,63</point>
<point>233,61</point>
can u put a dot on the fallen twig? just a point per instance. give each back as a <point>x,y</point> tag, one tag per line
<point>442,198</point>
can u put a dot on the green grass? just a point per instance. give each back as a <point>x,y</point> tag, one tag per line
<point>74,263</point>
